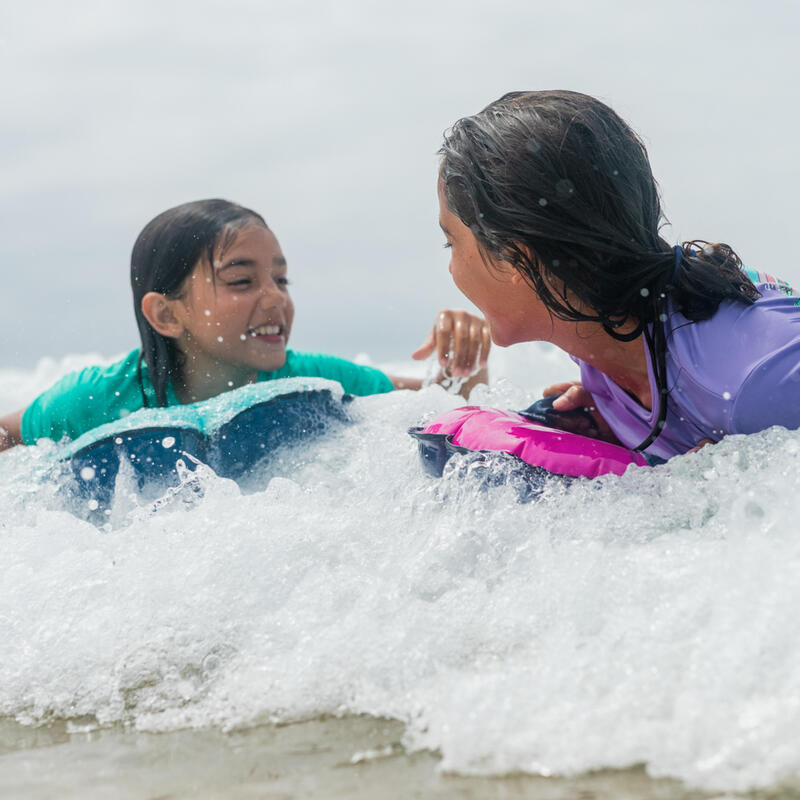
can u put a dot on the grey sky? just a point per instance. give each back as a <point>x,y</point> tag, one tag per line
<point>326,117</point>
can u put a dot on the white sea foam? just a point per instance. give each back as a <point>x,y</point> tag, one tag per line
<point>645,619</point>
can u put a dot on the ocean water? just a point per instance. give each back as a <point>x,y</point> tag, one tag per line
<point>645,619</point>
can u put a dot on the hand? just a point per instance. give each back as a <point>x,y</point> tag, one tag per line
<point>462,342</point>
<point>700,445</point>
<point>572,395</point>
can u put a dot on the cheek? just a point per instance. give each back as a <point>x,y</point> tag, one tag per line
<point>459,275</point>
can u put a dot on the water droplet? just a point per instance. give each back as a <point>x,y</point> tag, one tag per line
<point>242,337</point>
<point>564,189</point>
<point>167,442</point>
<point>207,312</point>
<point>219,338</point>
<point>230,383</point>
<point>88,473</point>
<point>542,201</point>
<point>93,505</point>
<point>663,317</point>
<point>726,395</point>
<point>118,440</point>
<point>645,292</point>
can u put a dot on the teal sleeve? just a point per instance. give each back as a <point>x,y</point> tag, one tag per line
<point>83,400</point>
<point>354,378</point>
<point>60,411</point>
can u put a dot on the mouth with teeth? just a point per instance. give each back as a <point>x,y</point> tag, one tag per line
<point>268,333</point>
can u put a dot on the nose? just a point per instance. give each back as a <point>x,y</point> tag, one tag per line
<point>271,296</point>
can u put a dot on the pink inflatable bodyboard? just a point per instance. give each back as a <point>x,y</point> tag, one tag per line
<point>479,428</point>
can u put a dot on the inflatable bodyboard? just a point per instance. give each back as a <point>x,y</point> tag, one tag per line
<point>530,436</point>
<point>232,433</point>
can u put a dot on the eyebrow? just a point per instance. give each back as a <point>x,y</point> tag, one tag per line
<point>278,261</point>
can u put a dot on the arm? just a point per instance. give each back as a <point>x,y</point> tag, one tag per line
<point>10,430</point>
<point>572,395</point>
<point>462,343</point>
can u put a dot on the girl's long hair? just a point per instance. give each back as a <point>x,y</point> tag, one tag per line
<point>164,255</point>
<point>558,185</point>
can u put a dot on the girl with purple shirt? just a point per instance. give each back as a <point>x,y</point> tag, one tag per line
<point>551,210</point>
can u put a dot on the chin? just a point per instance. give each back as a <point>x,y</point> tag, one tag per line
<point>274,363</point>
<point>499,338</point>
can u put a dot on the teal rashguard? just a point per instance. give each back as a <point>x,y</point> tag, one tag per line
<point>93,396</point>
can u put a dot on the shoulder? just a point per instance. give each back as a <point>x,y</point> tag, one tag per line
<point>356,379</point>
<point>748,355</point>
<point>83,399</point>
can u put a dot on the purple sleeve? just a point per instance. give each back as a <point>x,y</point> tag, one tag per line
<point>771,394</point>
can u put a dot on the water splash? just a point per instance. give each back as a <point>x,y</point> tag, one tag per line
<point>644,619</point>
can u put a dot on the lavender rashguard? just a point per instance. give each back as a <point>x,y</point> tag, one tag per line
<point>738,372</point>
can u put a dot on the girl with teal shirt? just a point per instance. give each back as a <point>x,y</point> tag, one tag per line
<point>212,303</point>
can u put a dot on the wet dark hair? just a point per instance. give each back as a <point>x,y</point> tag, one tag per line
<point>164,255</point>
<point>559,186</point>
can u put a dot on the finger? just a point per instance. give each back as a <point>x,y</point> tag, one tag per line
<point>700,445</point>
<point>475,328</point>
<point>444,337</point>
<point>558,388</point>
<point>575,397</point>
<point>426,348</point>
<point>486,343</point>
<point>461,346</point>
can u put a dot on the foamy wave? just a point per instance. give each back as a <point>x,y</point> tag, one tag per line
<point>649,619</point>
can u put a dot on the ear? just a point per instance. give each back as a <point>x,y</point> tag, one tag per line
<point>159,312</point>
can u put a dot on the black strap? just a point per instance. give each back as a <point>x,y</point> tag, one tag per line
<point>657,346</point>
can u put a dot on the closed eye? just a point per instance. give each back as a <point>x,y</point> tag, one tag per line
<point>447,245</point>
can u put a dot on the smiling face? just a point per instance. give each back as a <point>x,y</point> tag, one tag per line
<point>511,306</point>
<point>236,314</point>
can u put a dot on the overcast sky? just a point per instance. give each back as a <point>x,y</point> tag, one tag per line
<point>326,118</point>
